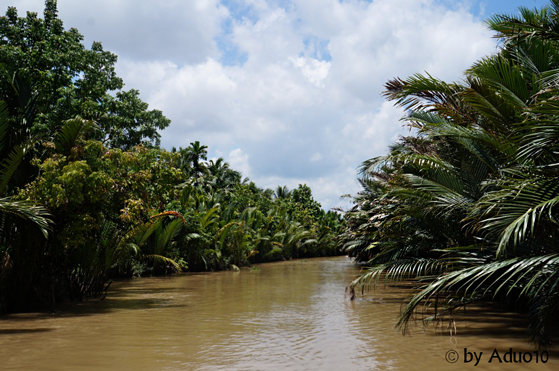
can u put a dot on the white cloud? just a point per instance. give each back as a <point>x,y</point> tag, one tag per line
<point>313,70</point>
<point>305,103</point>
<point>316,157</point>
<point>239,161</point>
<point>181,31</point>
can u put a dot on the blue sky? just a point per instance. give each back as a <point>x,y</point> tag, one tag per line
<point>508,6</point>
<point>286,91</point>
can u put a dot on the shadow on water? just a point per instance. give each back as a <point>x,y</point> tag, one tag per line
<point>123,295</point>
<point>484,321</point>
<point>380,300</point>
<point>24,331</point>
<point>88,308</point>
<point>143,291</point>
<point>113,302</point>
<point>481,321</point>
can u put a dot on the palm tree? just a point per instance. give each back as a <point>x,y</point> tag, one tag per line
<point>28,210</point>
<point>469,205</point>
<point>282,192</point>
<point>27,213</point>
<point>222,175</point>
<point>193,157</point>
<point>529,25</point>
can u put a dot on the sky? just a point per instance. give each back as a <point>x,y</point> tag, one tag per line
<point>287,91</point>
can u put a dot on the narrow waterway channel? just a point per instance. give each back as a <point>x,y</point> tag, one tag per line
<point>285,316</point>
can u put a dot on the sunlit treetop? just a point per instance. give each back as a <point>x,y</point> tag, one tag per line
<point>48,76</point>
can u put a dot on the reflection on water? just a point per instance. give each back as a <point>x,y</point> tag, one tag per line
<point>286,316</point>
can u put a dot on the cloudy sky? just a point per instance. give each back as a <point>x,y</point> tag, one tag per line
<point>286,91</point>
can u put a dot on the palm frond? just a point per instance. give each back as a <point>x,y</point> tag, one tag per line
<point>71,132</point>
<point>29,211</point>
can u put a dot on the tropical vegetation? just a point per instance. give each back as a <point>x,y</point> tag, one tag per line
<point>467,206</point>
<point>87,194</point>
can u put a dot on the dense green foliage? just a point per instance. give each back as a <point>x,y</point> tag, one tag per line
<point>469,205</point>
<point>56,78</point>
<point>86,194</point>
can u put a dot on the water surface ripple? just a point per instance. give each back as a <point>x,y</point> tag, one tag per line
<point>286,316</point>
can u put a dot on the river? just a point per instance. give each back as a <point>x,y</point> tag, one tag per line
<point>283,316</point>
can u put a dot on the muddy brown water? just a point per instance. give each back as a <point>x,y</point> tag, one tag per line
<point>286,316</point>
